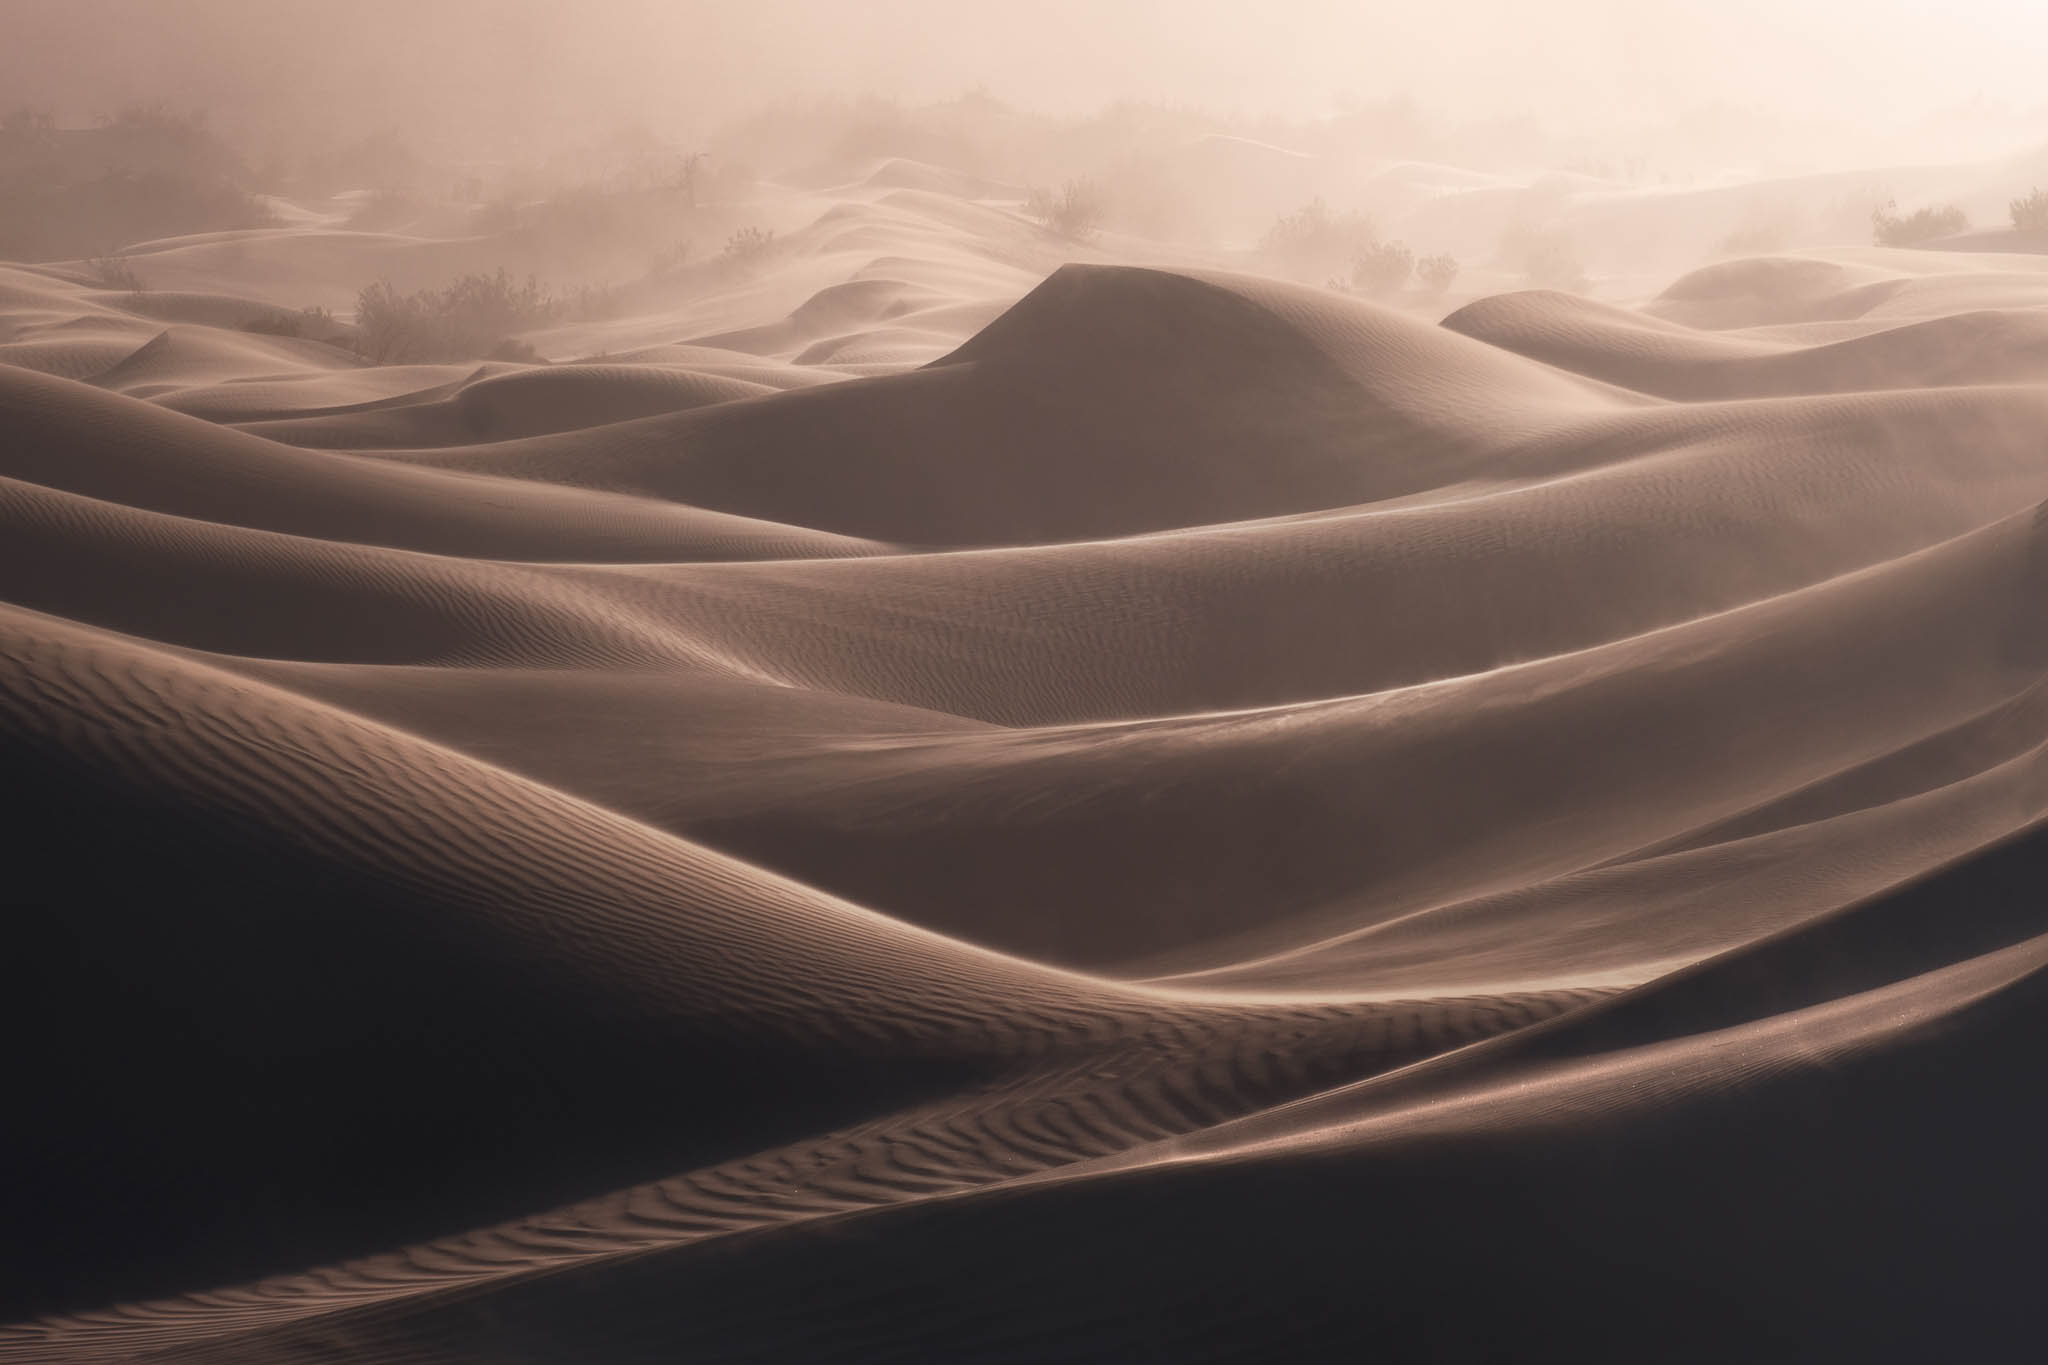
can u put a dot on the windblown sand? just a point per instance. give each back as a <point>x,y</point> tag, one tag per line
<point>910,809</point>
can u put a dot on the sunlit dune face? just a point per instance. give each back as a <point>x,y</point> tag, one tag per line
<point>1085,681</point>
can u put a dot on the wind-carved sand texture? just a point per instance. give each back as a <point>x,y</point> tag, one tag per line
<point>914,809</point>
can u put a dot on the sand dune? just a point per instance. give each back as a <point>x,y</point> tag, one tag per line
<point>918,802</point>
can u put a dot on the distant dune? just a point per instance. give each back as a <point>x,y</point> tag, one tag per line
<point>913,801</point>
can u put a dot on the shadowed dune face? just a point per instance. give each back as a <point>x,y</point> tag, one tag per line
<point>910,801</point>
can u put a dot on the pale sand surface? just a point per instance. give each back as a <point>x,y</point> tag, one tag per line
<point>963,797</point>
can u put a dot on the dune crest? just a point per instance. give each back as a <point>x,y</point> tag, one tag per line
<point>916,764</point>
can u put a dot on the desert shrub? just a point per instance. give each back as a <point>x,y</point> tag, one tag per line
<point>1921,225</point>
<point>498,301</point>
<point>1437,273</point>
<point>1382,268</point>
<point>749,248</point>
<point>393,326</point>
<point>316,323</point>
<point>1074,213</point>
<point>114,272</point>
<point>688,176</point>
<point>1546,260</point>
<point>471,318</point>
<point>592,302</point>
<point>2031,213</point>
<point>1312,241</point>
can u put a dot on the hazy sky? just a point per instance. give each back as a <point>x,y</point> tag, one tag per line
<point>530,68</point>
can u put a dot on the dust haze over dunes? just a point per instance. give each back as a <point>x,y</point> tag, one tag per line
<point>905,729</point>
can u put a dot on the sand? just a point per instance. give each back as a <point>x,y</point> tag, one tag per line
<point>937,801</point>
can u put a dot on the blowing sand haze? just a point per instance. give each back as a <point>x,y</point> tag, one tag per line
<point>670,694</point>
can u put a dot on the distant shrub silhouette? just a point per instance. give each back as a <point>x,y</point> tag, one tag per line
<point>141,174</point>
<point>1437,273</point>
<point>1382,268</point>
<point>1074,213</point>
<point>316,323</point>
<point>1546,259</point>
<point>1313,242</point>
<point>114,272</point>
<point>591,302</point>
<point>472,318</point>
<point>688,176</point>
<point>749,248</point>
<point>1921,225</point>
<point>2031,213</point>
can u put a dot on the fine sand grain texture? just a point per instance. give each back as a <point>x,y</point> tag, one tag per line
<point>914,802</point>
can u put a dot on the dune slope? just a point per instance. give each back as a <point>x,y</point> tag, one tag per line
<point>897,812</point>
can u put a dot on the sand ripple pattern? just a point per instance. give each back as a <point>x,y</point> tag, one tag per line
<point>1210,821</point>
